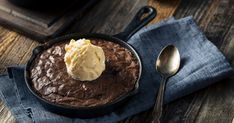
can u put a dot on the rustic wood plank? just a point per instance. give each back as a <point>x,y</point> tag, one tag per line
<point>15,49</point>
<point>218,106</point>
<point>165,8</point>
<point>111,20</point>
<point>6,116</point>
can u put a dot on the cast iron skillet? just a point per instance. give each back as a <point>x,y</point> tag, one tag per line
<point>144,16</point>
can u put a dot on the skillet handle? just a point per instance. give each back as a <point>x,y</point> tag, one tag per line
<point>143,17</point>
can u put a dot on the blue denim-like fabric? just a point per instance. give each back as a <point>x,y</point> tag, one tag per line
<point>201,65</point>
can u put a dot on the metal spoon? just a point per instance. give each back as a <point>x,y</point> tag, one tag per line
<point>167,64</point>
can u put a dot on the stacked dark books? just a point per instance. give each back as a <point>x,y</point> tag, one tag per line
<point>41,23</point>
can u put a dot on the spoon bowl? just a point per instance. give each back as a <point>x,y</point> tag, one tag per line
<point>168,61</point>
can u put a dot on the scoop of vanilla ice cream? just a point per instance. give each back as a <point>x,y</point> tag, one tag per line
<point>84,61</point>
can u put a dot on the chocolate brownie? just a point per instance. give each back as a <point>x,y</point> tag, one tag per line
<point>52,82</point>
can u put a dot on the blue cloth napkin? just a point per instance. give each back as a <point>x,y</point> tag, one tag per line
<point>202,64</point>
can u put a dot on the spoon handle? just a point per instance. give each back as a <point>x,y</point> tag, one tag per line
<point>158,106</point>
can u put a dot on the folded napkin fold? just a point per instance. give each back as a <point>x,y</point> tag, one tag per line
<point>201,65</point>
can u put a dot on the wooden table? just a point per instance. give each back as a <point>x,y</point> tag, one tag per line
<point>214,104</point>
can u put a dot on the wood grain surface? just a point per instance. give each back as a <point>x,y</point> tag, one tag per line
<point>214,104</point>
